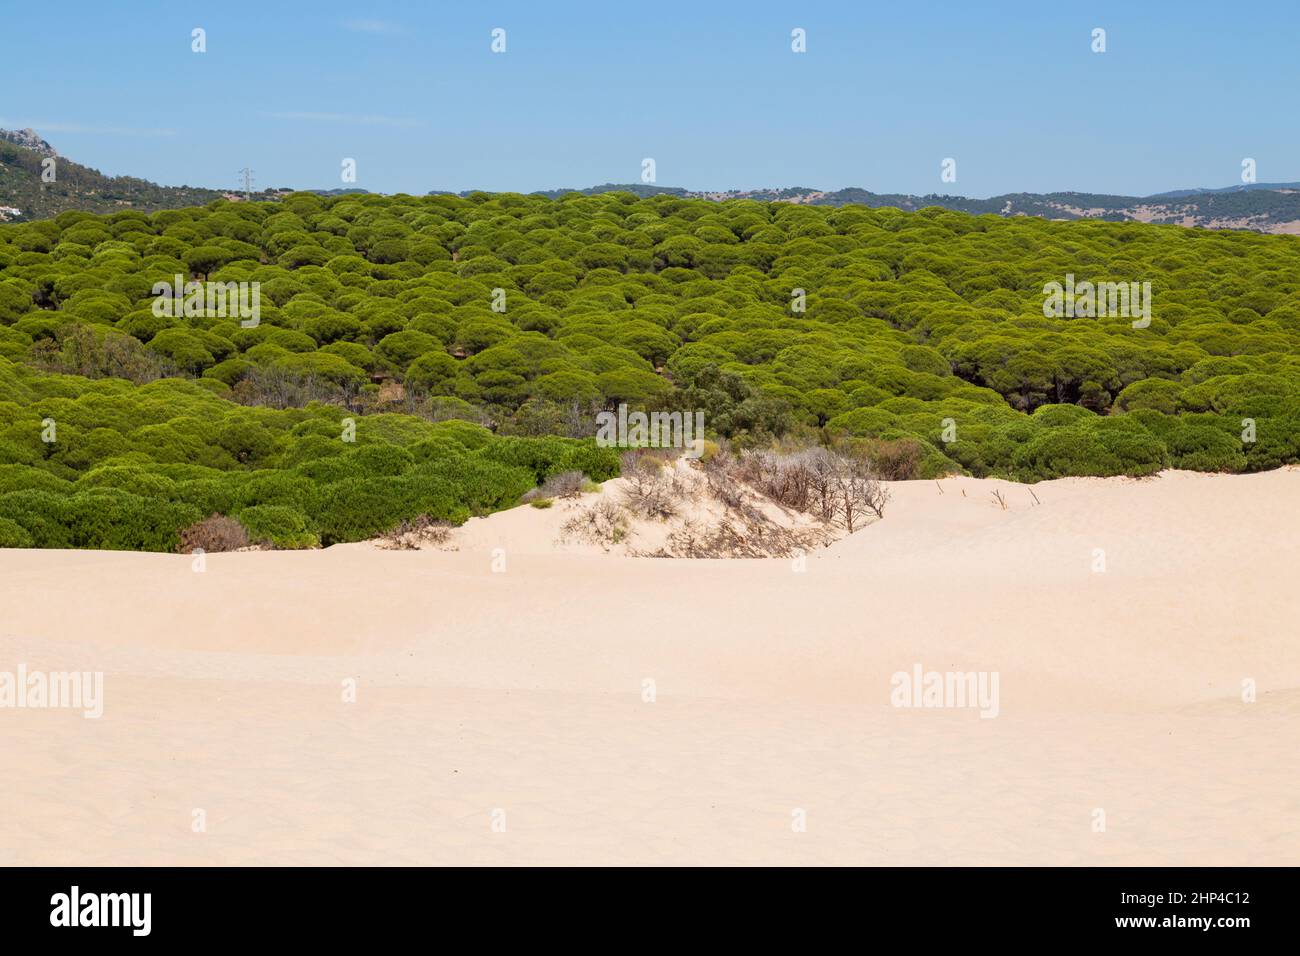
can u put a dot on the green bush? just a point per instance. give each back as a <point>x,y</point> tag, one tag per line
<point>42,514</point>
<point>114,520</point>
<point>357,508</point>
<point>277,525</point>
<point>1202,446</point>
<point>14,535</point>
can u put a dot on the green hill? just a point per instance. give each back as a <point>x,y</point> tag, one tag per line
<point>78,187</point>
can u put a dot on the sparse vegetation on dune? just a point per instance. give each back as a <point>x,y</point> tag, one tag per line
<point>755,504</point>
<point>567,484</point>
<point>416,533</point>
<point>603,523</point>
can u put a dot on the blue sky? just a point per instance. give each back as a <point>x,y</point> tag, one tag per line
<point>710,90</point>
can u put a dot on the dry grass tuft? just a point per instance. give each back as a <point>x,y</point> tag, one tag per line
<point>213,534</point>
<point>604,523</point>
<point>416,533</point>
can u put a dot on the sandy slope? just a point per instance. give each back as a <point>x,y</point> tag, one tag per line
<point>521,691</point>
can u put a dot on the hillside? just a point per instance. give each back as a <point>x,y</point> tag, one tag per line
<point>78,187</point>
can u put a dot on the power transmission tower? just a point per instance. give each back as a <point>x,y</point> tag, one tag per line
<point>248,183</point>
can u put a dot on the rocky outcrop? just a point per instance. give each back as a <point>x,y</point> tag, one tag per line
<point>28,139</point>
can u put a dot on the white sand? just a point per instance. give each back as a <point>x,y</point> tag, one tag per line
<point>522,691</point>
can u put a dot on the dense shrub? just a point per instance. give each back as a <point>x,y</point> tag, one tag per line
<point>920,340</point>
<point>41,514</point>
<point>14,535</point>
<point>290,477</point>
<point>114,520</point>
<point>278,525</point>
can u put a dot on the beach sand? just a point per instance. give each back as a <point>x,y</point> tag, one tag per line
<point>576,707</point>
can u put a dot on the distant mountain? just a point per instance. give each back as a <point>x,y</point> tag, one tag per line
<point>1244,187</point>
<point>1262,207</point>
<point>1262,210</point>
<point>641,190</point>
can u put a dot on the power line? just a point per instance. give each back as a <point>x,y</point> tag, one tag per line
<point>248,183</point>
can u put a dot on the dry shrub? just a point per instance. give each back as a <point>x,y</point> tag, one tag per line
<point>722,486</point>
<point>90,352</point>
<point>212,535</point>
<point>281,388</point>
<point>415,533</point>
<point>639,460</point>
<point>567,484</point>
<point>752,539</point>
<point>654,491</point>
<point>603,523</point>
<point>802,481</point>
<point>657,458</point>
<point>894,459</point>
<point>858,493</point>
<point>815,481</point>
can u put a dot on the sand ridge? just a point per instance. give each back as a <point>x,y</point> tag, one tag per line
<point>520,695</point>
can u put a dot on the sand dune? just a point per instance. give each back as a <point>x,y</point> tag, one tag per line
<point>518,695</point>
